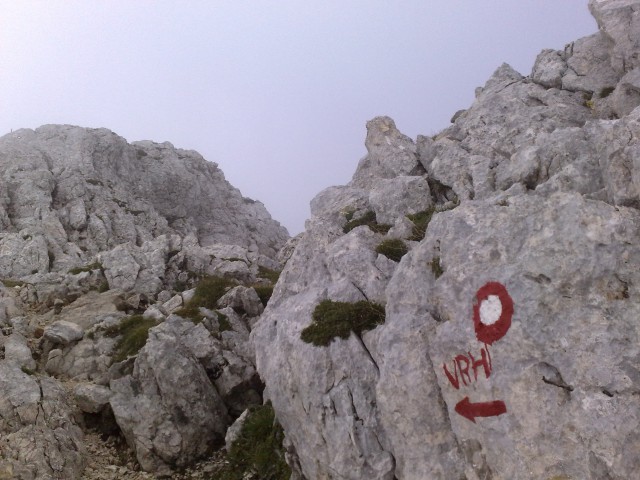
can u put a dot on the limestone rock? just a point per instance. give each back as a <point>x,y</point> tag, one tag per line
<point>91,398</point>
<point>533,239</point>
<point>589,65</point>
<point>549,68</point>
<point>17,350</point>
<point>620,22</point>
<point>242,299</point>
<point>393,198</point>
<point>626,96</point>
<point>173,304</point>
<point>168,409</point>
<point>63,332</point>
<point>390,153</point>
<point>40,437</point>
<point>233,432</point>
<point>70,192</point>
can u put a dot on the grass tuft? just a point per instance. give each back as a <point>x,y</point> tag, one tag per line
<point>264,293</point>
<point>208,292</point>
<point>268,274</point>
<point>133,332</point>
<point>257,452</point>
<point>338,319</point>
<point>420,222</point>
<point>393,248</point>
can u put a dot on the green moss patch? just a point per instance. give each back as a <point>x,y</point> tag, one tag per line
<point>208,292</point>
<point>12,283</point>
<point>393,248</point>
<point>368,219</point>
<point>258,452</point>
<point>338,319</point>
<point>133,332</point>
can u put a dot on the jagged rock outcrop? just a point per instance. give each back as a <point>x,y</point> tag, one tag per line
<point>100,241</point>
<point>510,345</point>
<point>175,405</point>
<point>70,196</point>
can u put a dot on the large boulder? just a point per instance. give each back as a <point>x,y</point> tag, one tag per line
<point>168,408</point>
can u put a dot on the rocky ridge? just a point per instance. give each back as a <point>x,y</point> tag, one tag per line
<point>102,242</point>
<point>504,251</point>
<point>510,344</point>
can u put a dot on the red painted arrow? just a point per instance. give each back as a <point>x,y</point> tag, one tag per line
<point>481,409</point>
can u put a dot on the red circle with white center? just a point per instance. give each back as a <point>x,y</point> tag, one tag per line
<point>492,312</point>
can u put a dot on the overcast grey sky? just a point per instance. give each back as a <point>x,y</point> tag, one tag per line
<point>276,92</point>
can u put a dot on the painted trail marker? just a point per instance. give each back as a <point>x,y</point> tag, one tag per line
<point>492,312</point>
<point>481,409</point>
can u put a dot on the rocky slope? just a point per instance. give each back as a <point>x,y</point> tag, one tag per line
<point>510,346</point>
<point>101,244</point>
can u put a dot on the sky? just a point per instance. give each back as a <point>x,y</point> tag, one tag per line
<point>277,92</point>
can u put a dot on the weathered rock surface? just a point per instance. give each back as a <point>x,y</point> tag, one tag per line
<point>536,220</point>
<point>72,195</point>
<point>168,409</point>
<point>91,229</point>
<point>40,437</point>
<point>176,403</point>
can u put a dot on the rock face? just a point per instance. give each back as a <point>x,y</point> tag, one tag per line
<point>175,404</point>
<point>97,236</point>
<point>40,435</point>
<point>510,348</point>
<point>70,196</point>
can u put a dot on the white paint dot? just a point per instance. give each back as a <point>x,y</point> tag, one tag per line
<point>490,310</point>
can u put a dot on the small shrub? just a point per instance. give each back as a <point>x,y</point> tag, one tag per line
<point>264,293</point>
<point>133,332</point>
<point>420,222</point>
<point>268,274</point>
<point>393,248</point>
<point>208,292</point>
<point>258,449</point>
<point>368,219</point>
<point>606,91</point>
<point>86,268</point>
<point>436,267</point>
<point>338,319</point>
<point>27,370</point>
<point>103,287</point>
